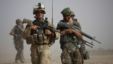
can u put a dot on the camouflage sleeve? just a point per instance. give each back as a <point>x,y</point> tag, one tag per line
<point>21,27</point>
<point>28,21</point>
<point>59,26</point>
<point>79,24</point>
<point>27,35</point>
<point>54,34</point>
<point>12,31</point>
<point>49,23</point>
<point>27,31</point>
<point>51,27</point>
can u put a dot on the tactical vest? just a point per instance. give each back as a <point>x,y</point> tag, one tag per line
<point>18,32</point>
<point>62,25</point>
<point>76,23</point>
<point>38,35</point>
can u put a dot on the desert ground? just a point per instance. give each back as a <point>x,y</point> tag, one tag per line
<point>96,57</point>
<point>100,57</point>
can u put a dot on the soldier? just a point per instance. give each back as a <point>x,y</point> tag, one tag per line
<point>69,39</point>
<point>40,34</point>
<point>16,32</point>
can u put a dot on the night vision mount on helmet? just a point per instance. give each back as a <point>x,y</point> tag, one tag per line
<point>39,7</point>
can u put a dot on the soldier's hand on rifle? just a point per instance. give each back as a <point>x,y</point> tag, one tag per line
<point>69,31</point>
<point>48,32</point>
<point>63,32</point>
<point>78,34</point>
<point>34,27</point>
<point>75,32</point>
<point>12,34</point>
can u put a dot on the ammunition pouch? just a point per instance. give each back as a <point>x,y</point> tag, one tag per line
<point>40,39</point>
<point>86,55</point>
<point>29,40</point>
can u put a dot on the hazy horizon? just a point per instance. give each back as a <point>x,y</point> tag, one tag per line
<point>95,17</point>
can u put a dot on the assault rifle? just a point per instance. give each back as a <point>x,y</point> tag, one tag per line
<point>65,26</point>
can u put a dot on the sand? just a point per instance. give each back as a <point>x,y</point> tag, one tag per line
<point>96,57</point>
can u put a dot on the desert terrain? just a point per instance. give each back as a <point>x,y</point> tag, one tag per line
<point>96,57</point>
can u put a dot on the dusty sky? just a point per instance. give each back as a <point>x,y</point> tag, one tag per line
<point>95,16</point>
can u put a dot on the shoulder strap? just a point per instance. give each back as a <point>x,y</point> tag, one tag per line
<point>76,23</point>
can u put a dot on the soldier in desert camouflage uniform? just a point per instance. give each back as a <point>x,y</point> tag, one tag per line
<point>69,39</point>
<point>40,34</point>
<point>16,32</point>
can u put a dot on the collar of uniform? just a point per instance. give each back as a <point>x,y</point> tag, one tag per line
<point>42,20</point>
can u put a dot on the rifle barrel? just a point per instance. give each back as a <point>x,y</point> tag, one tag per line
<point>90,37</point>
<point>97,41</point>
<point>89,45</point>
<point>88,42</point>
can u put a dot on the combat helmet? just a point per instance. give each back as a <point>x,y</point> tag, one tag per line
<point>18,21</point>
<point>66,12</point>
<point>39,7</point>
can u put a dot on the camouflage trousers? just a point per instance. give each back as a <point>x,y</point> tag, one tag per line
<point>71,57</point>
<point>19,48</point>
<point>40,54</point>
